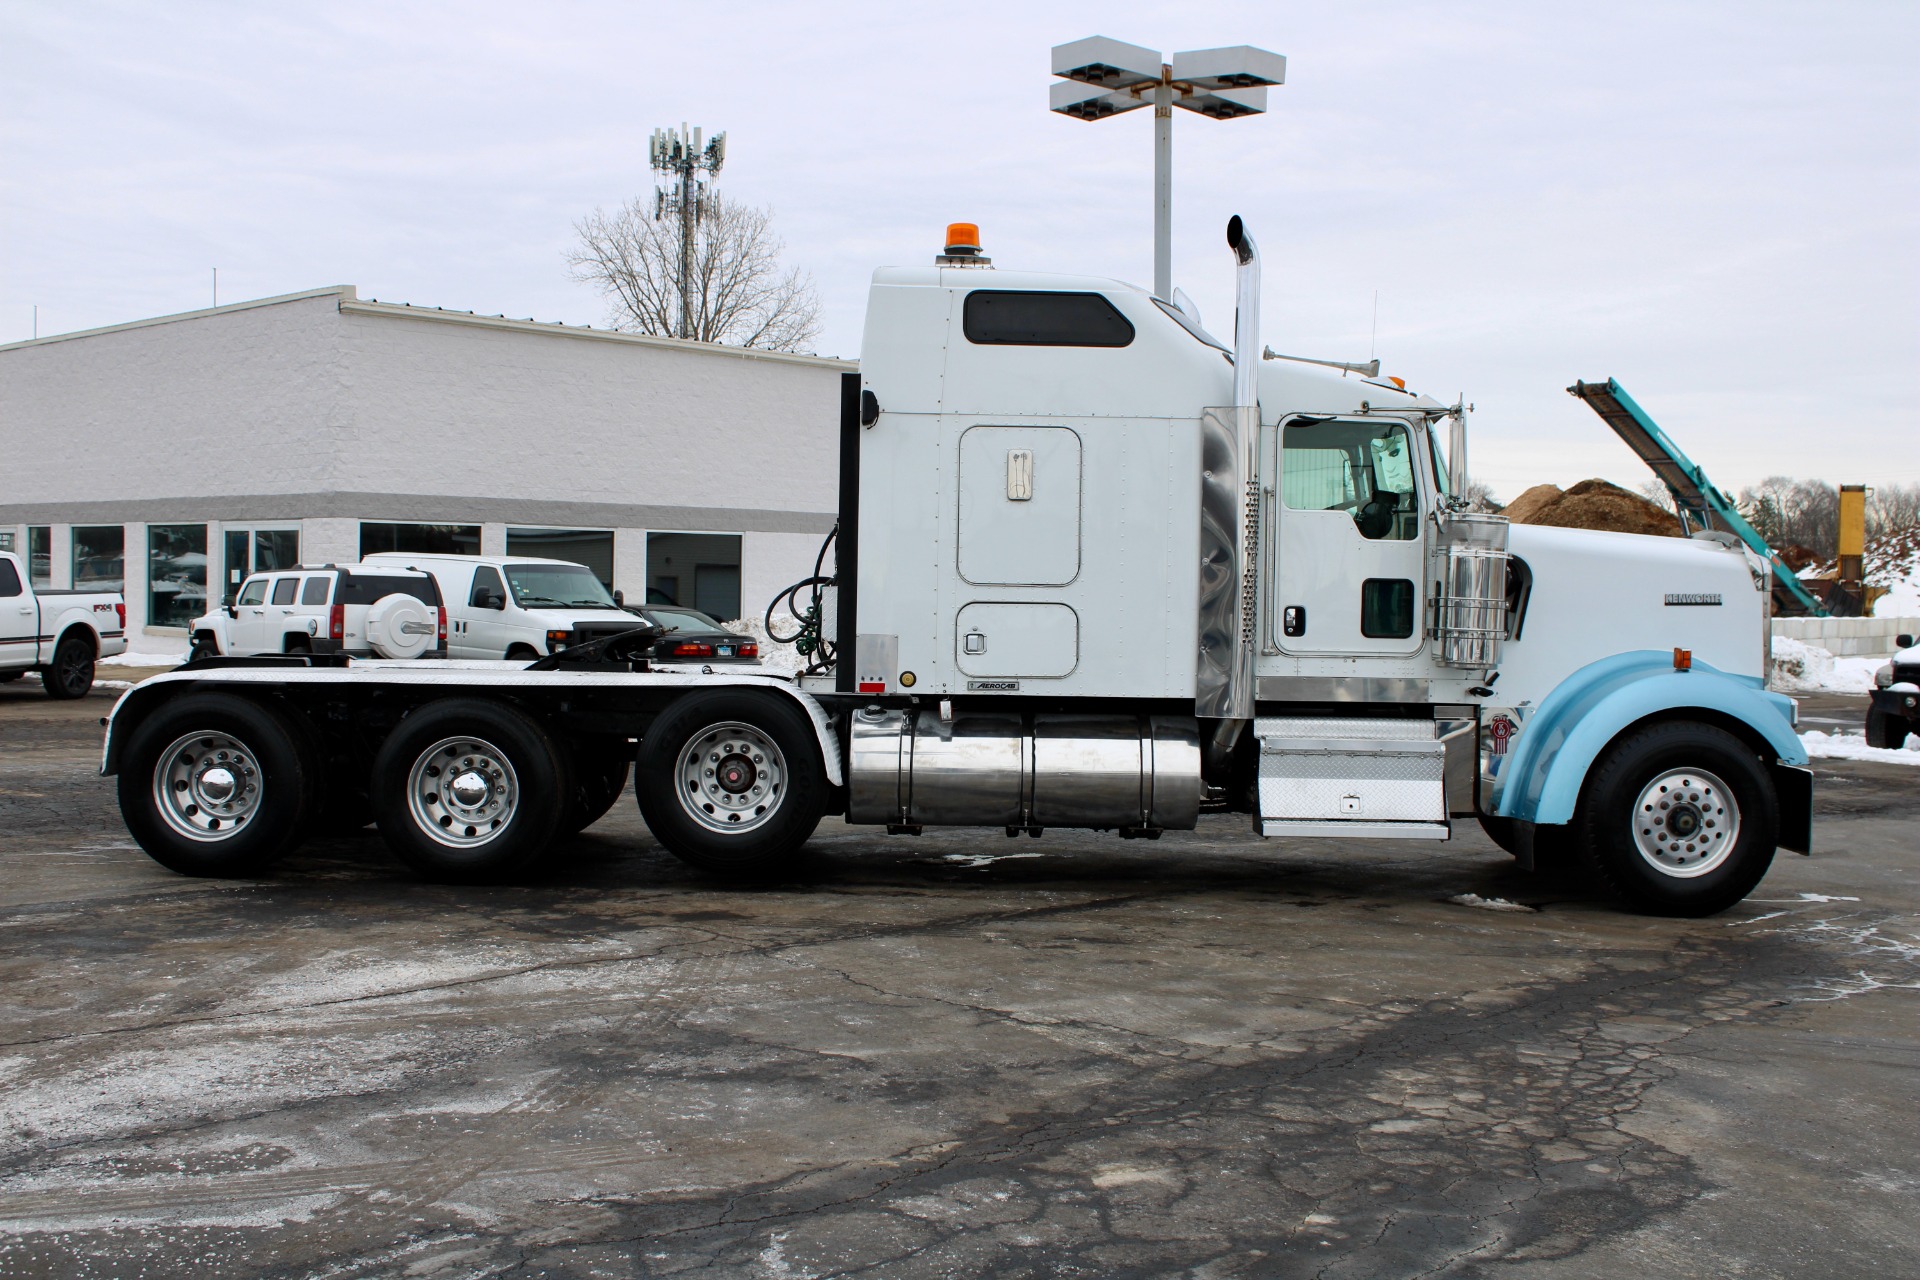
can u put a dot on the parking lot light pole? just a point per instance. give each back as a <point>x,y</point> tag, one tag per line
<point>1107,77</point>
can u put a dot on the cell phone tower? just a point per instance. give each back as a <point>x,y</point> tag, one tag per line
<point>678,154</point>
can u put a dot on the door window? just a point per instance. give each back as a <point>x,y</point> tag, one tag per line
<point>315,592</point>
<point>1362,468</point>
<point>284,589</point>
<point>486,583</point>
<point>255,592</point>
<point>9,579</point>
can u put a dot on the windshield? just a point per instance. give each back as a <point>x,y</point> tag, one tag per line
<point>686,621</point>
<point>1439,459</point>
<point>556,586</point>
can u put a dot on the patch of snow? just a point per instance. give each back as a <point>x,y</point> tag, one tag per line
<point>1827,897</point>
<point>152,653</point>
<point>973,860</point>
<point>774,656</point>
<point>1853,746</point>
<point>1799,667</point>
<point>1488,904</point>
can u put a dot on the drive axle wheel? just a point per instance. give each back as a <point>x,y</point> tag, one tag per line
<point>730,781</point>
<point>215,785</point>
<point>467,790</point>
<point>1679,819</point>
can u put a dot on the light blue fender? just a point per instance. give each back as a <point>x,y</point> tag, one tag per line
<point>1541,780</point>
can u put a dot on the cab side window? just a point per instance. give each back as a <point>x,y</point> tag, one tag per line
<point>9,579</point>
<point>255,592</point>
<point>1362,468</point>
<point>486,584</point>
<point>284,590</point>
<point>315,592</point>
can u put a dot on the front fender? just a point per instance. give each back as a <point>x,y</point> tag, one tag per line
<point>1541,782</point>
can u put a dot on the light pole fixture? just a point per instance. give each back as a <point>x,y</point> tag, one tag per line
<point>678,154</point>
<point>1105,77</point>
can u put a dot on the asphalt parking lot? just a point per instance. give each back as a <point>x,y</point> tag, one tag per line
<point>957,1055</point>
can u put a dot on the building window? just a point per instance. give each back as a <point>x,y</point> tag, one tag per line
<point>99,557</point>
<point>590,547</point>
<point>176,574</point>
<point>698,570</point>
<point>6,539</point>
<point>40,554</point>
<point>423,539</point>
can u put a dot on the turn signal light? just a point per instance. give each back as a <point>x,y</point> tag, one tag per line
<point>1683,659</point>
<point>749,650</point>
<point>443,625</point>
<point>337,622</point>
<point>690,649</point>
<point>558,640</point>
<point>121,609</point>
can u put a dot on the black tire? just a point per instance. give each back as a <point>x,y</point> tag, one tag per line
<point>1721,798</point>
<point>521,653</point>
<point>744,832</point>
<point>8,677</point>
<point>203,646</point>
<point>1885,730</point>
<point>178,752</point>
<point>598,781</point>
<point>519,782</point>
<point>70,674</point>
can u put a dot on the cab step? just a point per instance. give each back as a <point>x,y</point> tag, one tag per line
<point>1353,777</point>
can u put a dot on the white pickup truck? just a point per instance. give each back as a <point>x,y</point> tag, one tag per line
<point>60,634</point>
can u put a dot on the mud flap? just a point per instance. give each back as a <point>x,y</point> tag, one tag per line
<point>1793,789</point>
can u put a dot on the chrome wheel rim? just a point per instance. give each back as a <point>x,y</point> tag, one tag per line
<point>207,786</point>
<point>1685,823</point>
<point>462,792</point>
<point>732,778</point>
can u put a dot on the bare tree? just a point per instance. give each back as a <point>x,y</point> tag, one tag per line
<point>741,297</point>
<point>1893,508</point>
<point>1656,492</point>
<point>1479,496</point>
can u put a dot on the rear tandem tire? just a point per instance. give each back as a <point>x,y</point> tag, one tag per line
<point>217,785</point>
<point>730,781</point>
<point>468,790</point>
<point>1678,819</point>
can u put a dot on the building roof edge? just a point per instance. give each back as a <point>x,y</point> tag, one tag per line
<point>344,292</point>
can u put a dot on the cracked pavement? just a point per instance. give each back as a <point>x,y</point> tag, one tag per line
<point>951,1055</point>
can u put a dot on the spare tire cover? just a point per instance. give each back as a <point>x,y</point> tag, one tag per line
<point>399,626</point>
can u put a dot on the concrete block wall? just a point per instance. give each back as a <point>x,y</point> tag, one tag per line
<point>1848,637</point>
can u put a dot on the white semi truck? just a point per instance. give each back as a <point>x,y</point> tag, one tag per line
<point>1094,569</point>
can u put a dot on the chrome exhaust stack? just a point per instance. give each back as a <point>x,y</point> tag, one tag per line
<point>1230,521</point>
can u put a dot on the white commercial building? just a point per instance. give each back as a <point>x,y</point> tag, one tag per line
<point>171,457</point>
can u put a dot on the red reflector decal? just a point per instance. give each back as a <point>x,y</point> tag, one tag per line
<point>873,686</point>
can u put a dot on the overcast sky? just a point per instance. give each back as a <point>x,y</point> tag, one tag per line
<point>1716,203</point>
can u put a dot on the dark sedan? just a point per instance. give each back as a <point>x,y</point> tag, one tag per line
<point>694,637</point>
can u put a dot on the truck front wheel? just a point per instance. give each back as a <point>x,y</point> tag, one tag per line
<point>1885,730</point>
<point>70,674</point>
<point>214,785</point>
<point>730,781</point>
<point>1678,819</point>
<point>468,790</point>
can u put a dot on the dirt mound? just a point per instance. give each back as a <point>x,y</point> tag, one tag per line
<point>1592,504</point>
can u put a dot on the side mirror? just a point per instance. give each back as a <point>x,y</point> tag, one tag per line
<point>620,598</point>
<point>1903,641</point>
<point>233,611</point>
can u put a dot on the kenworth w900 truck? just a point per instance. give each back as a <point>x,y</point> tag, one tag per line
<point>1094,568</point>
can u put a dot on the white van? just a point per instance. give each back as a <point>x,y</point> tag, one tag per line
<point>518,607</point>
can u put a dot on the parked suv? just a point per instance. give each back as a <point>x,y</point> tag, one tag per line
<point>518,607</point>
<point>364,610</point>
<point>1895,710</point>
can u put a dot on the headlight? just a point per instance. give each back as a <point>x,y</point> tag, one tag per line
<point>1883,677</point>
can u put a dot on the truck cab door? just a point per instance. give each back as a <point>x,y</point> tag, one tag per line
<point>19,618</point>
<point>1350,557</point>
